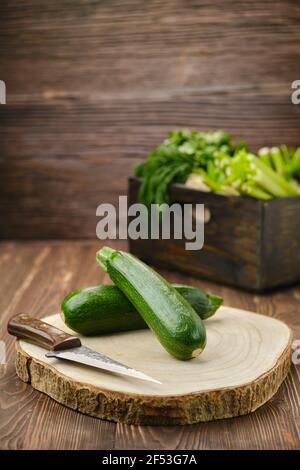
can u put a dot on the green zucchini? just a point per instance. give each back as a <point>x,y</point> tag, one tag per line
<point>170,317</point>
<point>103,309</point>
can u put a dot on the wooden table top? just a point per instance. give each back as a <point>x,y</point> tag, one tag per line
<point>34,278</point>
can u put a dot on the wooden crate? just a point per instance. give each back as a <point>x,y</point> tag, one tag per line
<point>248,243</point>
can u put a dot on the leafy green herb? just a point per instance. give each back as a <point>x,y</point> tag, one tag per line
<point>176,158</point>
<point>221,165</point>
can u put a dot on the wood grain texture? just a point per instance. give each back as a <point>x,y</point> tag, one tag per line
<point>93,86</point>
<point>280,243</point>
<point>35,276</point>
<point>24,326</point>
<point>246,359</point>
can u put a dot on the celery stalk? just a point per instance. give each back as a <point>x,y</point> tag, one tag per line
<point>264,155</point>
<point>251,190</point>
<point>270,180</point>
<point>277,160</point>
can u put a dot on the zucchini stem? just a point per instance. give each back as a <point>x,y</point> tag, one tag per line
<point>103,255</point>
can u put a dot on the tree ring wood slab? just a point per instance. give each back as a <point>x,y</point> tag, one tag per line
<point>246,359</point>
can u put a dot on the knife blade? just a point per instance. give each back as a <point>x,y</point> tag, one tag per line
<point>89,357</point>
<point>64,346</point>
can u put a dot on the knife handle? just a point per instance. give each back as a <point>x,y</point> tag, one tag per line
<point>40,333</point>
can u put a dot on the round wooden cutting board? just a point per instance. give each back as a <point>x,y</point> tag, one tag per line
<point>246,359</point>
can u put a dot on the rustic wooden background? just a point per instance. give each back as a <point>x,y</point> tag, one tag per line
<point>32,420</point>
<point>93,85</point>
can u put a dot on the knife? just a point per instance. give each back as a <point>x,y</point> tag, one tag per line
<point>64,346</point>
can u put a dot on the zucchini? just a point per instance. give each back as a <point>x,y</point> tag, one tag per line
<point>103,309</point>
<point>170,317</point>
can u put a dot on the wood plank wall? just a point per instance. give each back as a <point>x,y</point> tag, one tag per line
<point>92,85</point>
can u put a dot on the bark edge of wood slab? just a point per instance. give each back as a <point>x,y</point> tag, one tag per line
<point>151,409</point>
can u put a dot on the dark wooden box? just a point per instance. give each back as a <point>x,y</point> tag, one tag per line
<point>248,243</point>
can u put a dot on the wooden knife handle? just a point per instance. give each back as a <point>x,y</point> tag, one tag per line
<point>40,333</point>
